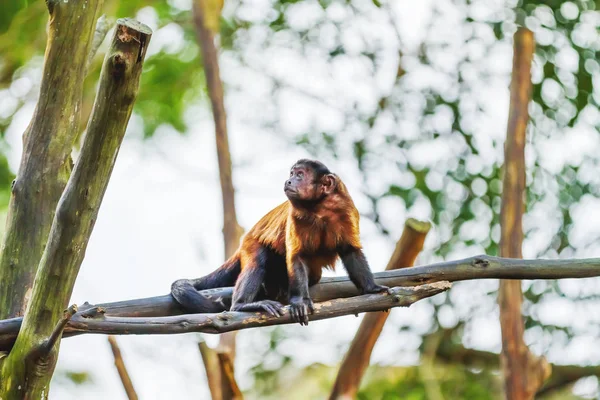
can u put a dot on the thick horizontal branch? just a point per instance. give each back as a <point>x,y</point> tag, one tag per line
<point>479,267</point>
<point>233,321</point>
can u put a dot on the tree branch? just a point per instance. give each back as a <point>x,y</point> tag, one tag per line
<point>103,25</point>
<point>524,373</point>
<point>562,375</point>
<point>206,20</point>
<point>233,321</point>
<point>228,382</point>
<point>358,356</point>
<point>212,368</point>
<point>44,349</point>
<point>121,369</point>
<point>479,267</point>
<point>79,204</point>
<point>45,165</point>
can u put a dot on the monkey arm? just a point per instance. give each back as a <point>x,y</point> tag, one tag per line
<point>360,274</point>
<point>300,302</point>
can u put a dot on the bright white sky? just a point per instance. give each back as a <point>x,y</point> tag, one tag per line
<point>161,216</point>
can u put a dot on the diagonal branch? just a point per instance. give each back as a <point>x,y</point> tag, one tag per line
<point>121,369</point>
<point>103,25</point>
<point>212,368</point>
<point>229,385</point>
<point>46,346</point>
<point>358,356</point>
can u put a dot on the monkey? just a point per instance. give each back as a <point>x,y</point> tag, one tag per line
<point>287,250</point>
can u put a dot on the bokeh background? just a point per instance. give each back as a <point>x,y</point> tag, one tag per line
<point>407,101</point>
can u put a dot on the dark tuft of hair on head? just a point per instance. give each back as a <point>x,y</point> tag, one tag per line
<point>318,167</point>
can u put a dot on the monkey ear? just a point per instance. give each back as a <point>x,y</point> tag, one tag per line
<point>329,183</point>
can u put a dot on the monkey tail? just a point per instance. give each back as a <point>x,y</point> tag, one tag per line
<point>185,291</point>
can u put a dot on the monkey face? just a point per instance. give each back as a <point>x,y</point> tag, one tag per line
<point>309,181</point>
<point>301,184</point>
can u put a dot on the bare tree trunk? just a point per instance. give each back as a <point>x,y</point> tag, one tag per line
<point>45,163</point>
<point>206,19</point>
<point>121,369</point>
<point>358,356</point>
<point>27,370</point>
<point>523,372</point>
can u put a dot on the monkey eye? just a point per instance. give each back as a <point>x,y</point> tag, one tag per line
<point>300,174</point>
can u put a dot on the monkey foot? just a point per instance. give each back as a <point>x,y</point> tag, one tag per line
<point>378,289</point>
<point>272,307</point>
<point>300,309</point>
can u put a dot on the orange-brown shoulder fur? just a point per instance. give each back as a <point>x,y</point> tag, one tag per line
<point>314,234</point>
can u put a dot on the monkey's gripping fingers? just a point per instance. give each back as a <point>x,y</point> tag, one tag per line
<point>274,308</point>
<point>378,289</point>
<point>300,308</point>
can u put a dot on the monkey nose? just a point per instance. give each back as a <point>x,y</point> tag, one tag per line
<point>288,183</point>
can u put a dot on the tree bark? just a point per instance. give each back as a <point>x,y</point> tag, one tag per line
<point>562,375</point>
<point>524,373</point>
<point>479,267</point>
<point>45,162</point>
<point>24,375</point>
<point>229,321</point>
<point>212,368</point>
<point>121,369</point>
<point>358,356</point>
<point>228,383</point>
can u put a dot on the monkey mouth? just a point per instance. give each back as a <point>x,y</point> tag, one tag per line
<point>289,191</point>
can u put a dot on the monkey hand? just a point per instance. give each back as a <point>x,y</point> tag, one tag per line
<point>300,307</point>
<point>375,288</point>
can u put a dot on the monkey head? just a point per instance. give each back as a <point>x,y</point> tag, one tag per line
<point>309,182</point>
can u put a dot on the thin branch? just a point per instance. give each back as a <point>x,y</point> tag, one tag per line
<point>121,369</point>
<point>103,25</point>
<point>228,381</point>
<point>562,375</point>
<point>234,321</point>
<point>212,368</point>
<point>358,356</point>
<point>524,373</point>
<point>479,267</point>
<point>47,345</point>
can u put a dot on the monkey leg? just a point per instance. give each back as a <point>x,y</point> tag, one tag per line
<point>274,308</point>
<point>248,286</point>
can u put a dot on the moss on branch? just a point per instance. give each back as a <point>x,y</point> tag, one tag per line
<point>77,211</point>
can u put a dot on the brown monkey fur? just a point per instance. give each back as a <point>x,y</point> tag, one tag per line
<point>287,249</point>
